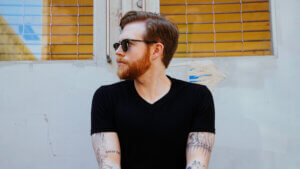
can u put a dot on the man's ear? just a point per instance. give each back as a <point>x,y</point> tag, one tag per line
<point>157,50</point>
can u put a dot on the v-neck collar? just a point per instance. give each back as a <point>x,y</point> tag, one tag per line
<point>157,103</point>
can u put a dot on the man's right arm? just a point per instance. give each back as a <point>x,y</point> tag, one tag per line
<point>106,146</point>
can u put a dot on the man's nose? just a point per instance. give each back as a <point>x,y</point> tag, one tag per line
<point>120,51</point>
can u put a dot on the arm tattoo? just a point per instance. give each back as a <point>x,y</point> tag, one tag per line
<point>112,151</point>
<point>107,165</point>
<point>195,165</point>
<point>99,145</point>
<point>200,141</point>
<point>99,142</point>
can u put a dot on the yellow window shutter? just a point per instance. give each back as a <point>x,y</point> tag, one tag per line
<point>69,30</point>
<point>210,28</point>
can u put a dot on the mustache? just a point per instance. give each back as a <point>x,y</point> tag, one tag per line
<point>121,60</point>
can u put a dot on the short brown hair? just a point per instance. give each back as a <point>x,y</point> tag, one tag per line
<point>158,29</point>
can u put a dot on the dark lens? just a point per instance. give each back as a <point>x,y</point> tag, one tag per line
<point>124,44</point>
<point>116,45</point>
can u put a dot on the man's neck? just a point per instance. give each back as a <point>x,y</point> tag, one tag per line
<point>151,86</point>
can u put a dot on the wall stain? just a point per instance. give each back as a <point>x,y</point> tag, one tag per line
<point>48,136</point>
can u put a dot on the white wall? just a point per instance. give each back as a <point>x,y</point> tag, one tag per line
<point>45,107</point>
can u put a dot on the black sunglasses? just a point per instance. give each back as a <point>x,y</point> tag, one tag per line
<point>124,43</point>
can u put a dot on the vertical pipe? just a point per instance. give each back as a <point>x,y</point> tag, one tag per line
<point>108,59</point>
<point>144,5</point>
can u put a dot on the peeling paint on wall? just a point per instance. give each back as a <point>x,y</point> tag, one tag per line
<point>203,72</point>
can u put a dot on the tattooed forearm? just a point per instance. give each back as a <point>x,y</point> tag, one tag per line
<point>99,146</point>
<point>107,151</point>
<point>199,147</point>
<point>195,165</point>
<point>201,142</point>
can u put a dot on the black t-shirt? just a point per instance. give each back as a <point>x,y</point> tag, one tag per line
<point>153,136</point>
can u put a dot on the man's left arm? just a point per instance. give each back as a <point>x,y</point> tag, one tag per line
<point>198,149</point>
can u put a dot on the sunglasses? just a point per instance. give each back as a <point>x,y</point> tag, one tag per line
<point>125,43</point>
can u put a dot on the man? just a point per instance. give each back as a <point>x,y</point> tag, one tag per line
<point>151,120</point>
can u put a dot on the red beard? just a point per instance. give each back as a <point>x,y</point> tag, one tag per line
<point>131,71</point>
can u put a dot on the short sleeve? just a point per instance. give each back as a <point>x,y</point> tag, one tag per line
<point>102,117</point>
<point>204,118</point>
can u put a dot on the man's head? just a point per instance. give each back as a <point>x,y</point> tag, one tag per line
<point>142,32</point>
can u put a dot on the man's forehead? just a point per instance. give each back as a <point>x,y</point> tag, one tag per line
<point>134,30</point>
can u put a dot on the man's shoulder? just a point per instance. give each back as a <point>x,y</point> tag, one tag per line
<point>191,90</point>
<point>189,85</point>
<point>114,87</point>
